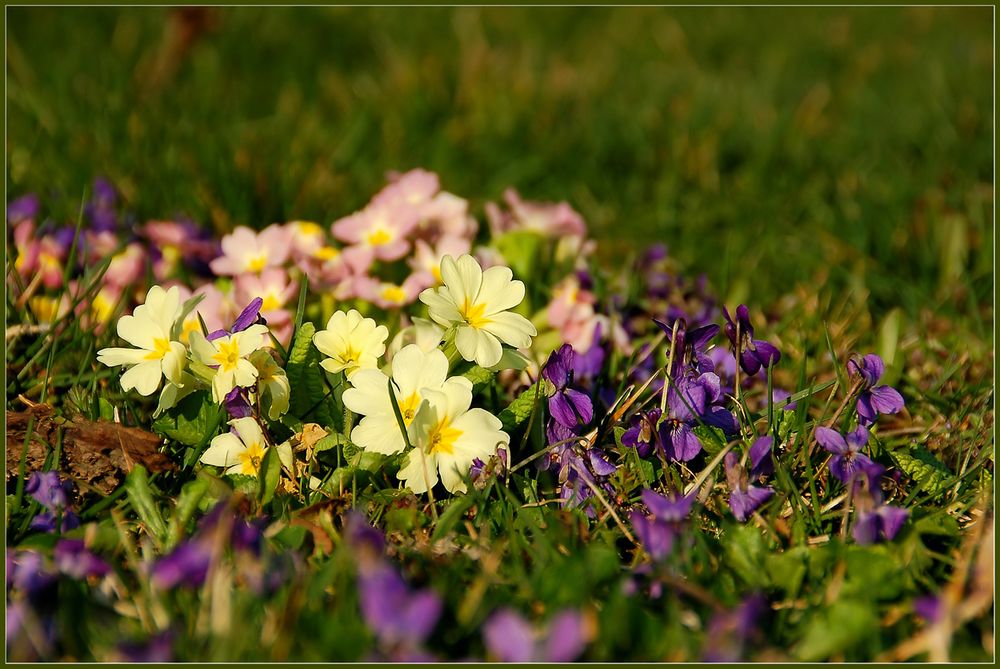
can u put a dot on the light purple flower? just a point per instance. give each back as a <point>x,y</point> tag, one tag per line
<point>73,558</point>
<point>729,631</point>
<point>398,616</point>
<point>658,530</point>
<point>879,524</point>
<point>848,461</point>
<point>23,208</point>
<point>874,400</point>
<point>510,638</point>
<point>744,498</point>
<point>186,566</point>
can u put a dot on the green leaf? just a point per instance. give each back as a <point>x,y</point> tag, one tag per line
<point>786,570</point>
<point>838,629</point>
<point>520,409</point>
<point>745,552</point>
<point>141,498</point>
<point>920,465</point>
<point>873,572</point>
<point>291,537</point>
<point>248,485</point>
<point>331,440</point>
<point>270,473</point>
<point>192,422</point>
<point>479,376</point>
<point>187,504</point>
<point>307,379</point>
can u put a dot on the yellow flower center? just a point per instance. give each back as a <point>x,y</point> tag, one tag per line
<point>436,271</point>
<point>228,355</point>
<point>271,302</point>
<point>45,308</point>
<point>189,326</point>
<point>308,229</point>
<point>250,459</point>
<point>443,438</point>
<point>408,407</point>
<point>473,314</point>
<point>47,261</point>
<point>393,293</point>
<point>378,237</point>
<point>257,263</point>
<point>161,346</point>
<point>326,253</point>
<point>102,309</point>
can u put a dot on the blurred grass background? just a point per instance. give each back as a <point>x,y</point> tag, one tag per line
<point>849,148</point>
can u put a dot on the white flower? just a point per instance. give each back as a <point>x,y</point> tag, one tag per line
<point>476,303</point>
<point>350,342</point>
<point>242,450</point>
<point>155,355</point>
<point>273,382</point>
<point>447,436</point>
<point>413,371</point>
<point>228,355</point>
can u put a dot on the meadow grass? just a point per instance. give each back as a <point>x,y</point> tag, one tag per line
<point>831,167</point>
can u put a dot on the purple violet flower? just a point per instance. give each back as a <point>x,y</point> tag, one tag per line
<point>880,524</point>
<point>237,403</point>
<point>754,354</point>
<point>398,616</point>
<point>100,211</point>
<point>23,208</point>
<point>187,565</point>
<point>848,461</point>
<point>744,498</point>
<point>689,349</point>
<point>658,530</point>
<point>53,494</point>
<point>568,406</point>
<point>249,316</point>
<point>510,638</point>
<point>874,400</point>
<point>929,607</point>
<point>158,648</point>
<point>729,631</point>
<point>73,558</point>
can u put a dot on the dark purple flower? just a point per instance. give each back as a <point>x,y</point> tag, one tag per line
<point>73,559</point>
<point>187,565</point>
<point>744,499</point>
<point>23,208</point>
<point>510,638</point>
<point>578,476</point>
<point>397,615</point>
<point>237,403</point>
<point>658,531</point>
<point>158,648</point>
<point>50,522</point>
<point>761,461</point>
<point>249,316</point>
<point>568,406</point>
<point>100,211</point>
<point>642,434</point>
<point>692,401</point>
<point>689,346</point>
<point>729,631</point>
<point>929,607</point>
<point>848,461</point>
<point>754,354</point>
<point>879,524</point>
<point>874,400</point>
<point>26,572</point>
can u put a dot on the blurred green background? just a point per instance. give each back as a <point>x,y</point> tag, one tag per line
<point>767,147</point>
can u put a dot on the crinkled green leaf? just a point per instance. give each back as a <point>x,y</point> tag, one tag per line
<point>479,376</point>
<point>920,465</point>
<point>519,410</point>
<point>309,401</point>
<point>838,629</point>
<point>192,422</point>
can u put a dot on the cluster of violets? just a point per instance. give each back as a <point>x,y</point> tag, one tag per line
<point>216,310</point>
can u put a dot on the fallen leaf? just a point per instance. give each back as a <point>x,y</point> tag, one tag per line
<point>98,453</point>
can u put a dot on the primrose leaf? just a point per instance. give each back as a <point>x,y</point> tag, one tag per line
<point>519,410</point>
<point>192,422</point>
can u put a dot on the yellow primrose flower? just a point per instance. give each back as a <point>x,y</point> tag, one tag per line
<point>154,355</point>
<point>241,450</point>
<point>447,436</point>
<point>228,355</point>
<point>413,371</point>
<point>476,303</point>
<point>350,342</point>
